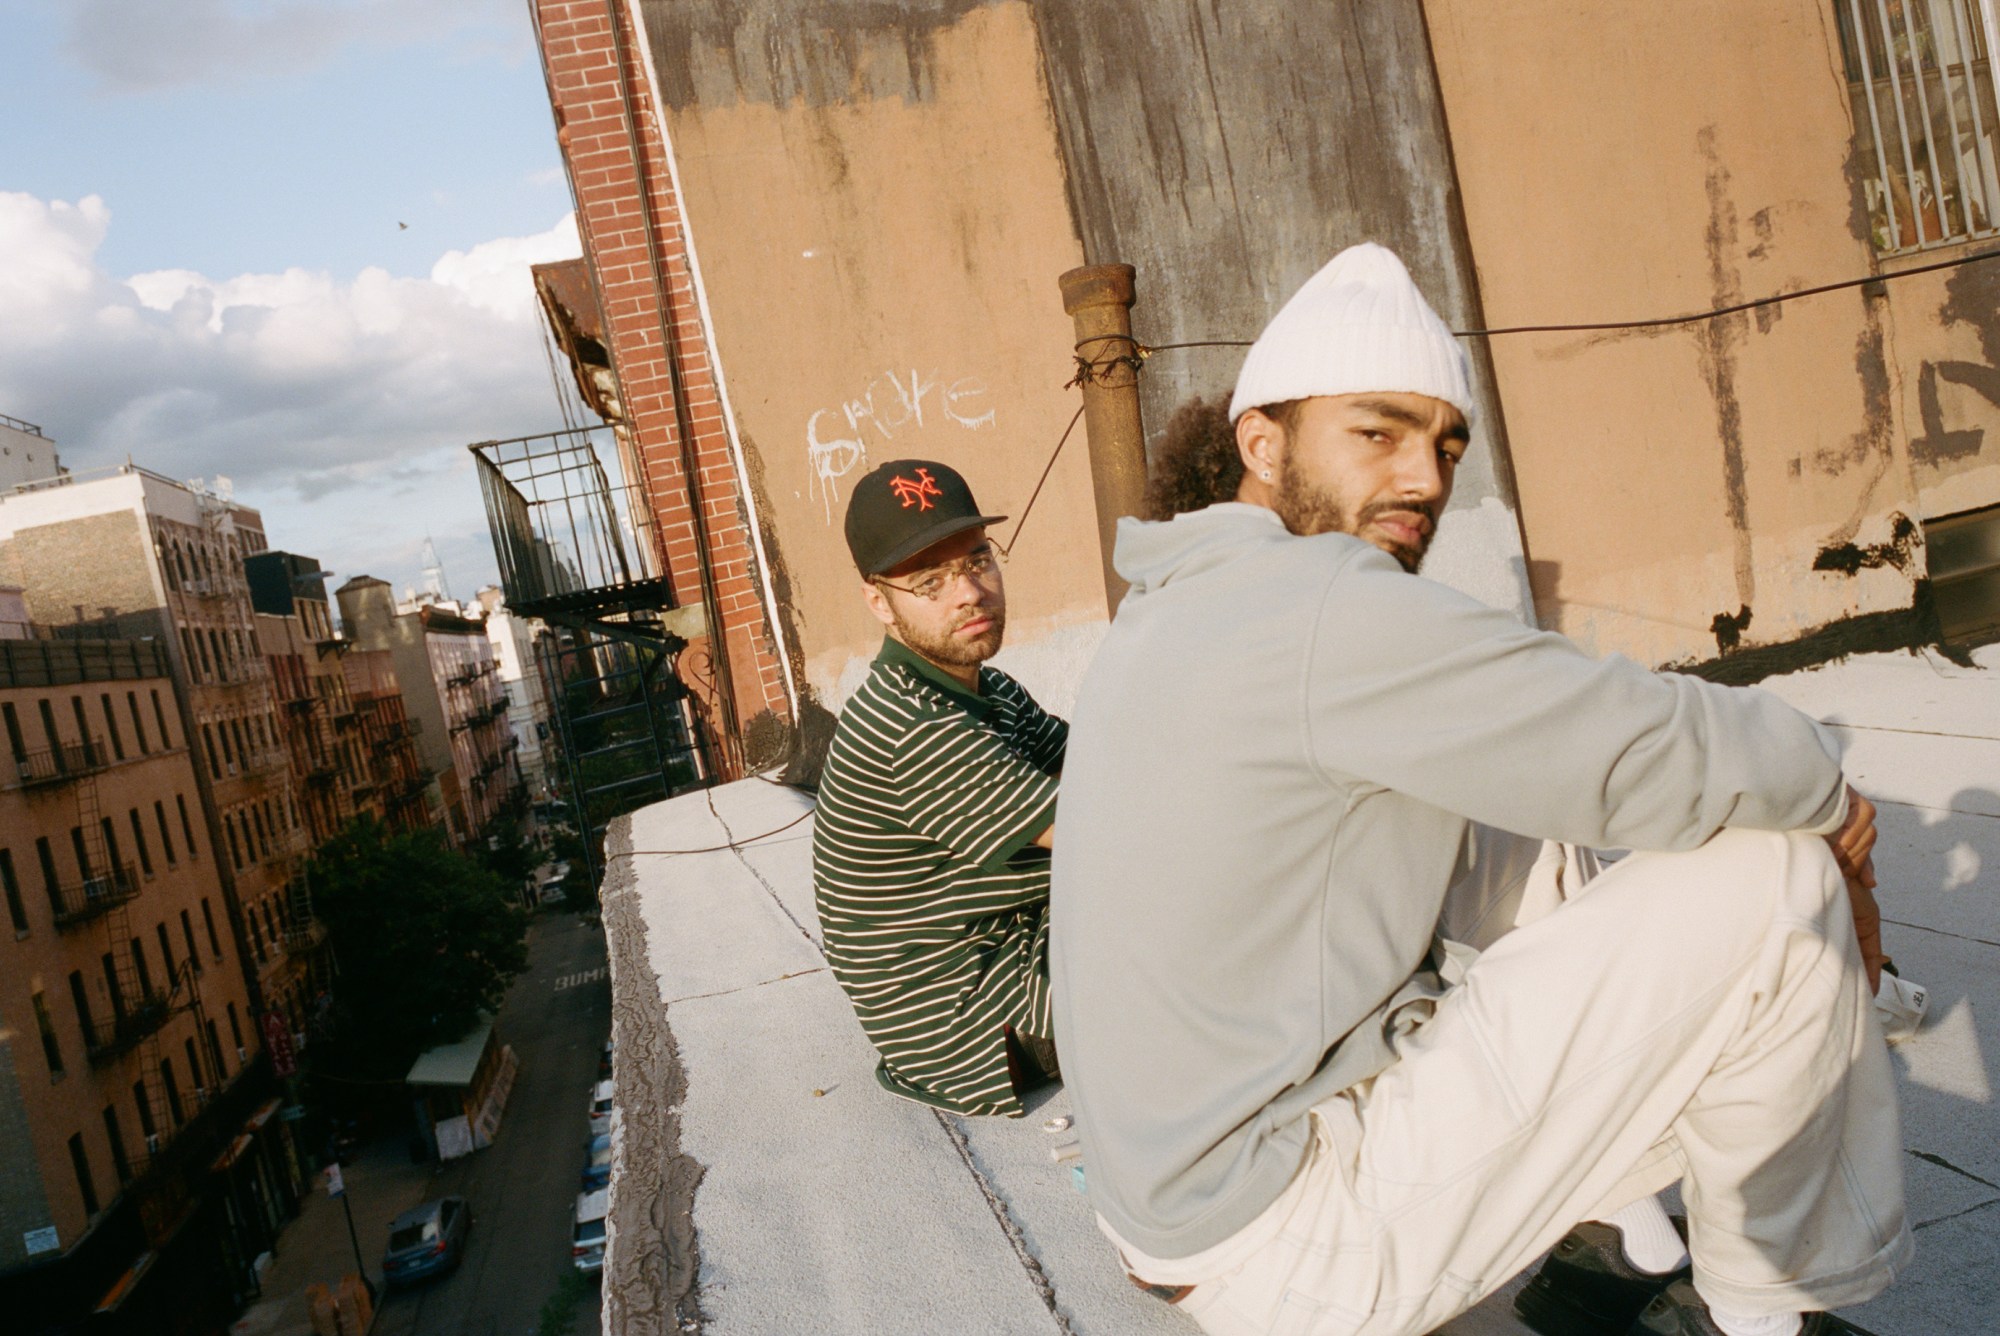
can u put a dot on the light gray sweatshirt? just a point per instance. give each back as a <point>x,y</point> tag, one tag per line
<point>1272,763</point>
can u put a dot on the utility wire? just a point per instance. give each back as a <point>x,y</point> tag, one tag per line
<point>1093,370</point>
<point>1146,350</point>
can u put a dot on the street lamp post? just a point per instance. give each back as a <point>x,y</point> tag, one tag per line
<point>336,1186</point>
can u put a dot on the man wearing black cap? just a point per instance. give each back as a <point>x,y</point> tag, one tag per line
<point>930,848</point>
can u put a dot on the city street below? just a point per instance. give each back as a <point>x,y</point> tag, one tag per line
<point>521,1189</point>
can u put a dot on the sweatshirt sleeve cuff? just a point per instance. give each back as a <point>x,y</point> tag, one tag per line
<point>1835,817</point>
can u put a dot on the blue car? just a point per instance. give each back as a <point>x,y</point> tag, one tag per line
<point>597,1167</point>
<point>427,1240</point>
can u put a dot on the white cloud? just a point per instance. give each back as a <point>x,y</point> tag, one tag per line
<point>139,47</point>
<point>342,408</point>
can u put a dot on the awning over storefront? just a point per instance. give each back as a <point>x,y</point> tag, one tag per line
<point>452,1064</point>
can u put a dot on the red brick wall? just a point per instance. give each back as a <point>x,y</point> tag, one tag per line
<point>580,57</point>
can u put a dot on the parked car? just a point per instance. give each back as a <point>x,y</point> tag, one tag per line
<point>597,1168</point>
<point>604,1058</point>
<point>586,1248</point>
<point>427,1239</point>
<point>600,1107</point>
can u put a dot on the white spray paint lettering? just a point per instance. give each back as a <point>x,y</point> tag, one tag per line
<point>837,439</point>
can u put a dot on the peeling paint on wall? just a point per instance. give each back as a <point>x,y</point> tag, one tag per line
<point>1719,340</point>
<point>720,51</point>
<point>1851,558</point>
<point>1972,298</point>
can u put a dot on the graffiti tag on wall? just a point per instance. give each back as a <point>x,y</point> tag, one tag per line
<point>893,403</point>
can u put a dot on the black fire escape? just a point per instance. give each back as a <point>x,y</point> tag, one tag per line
<point>576,550</point>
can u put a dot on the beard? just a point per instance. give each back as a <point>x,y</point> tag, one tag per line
<point>1307,510</point>
<point>947,647</point>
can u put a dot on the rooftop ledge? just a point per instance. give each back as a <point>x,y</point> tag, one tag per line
<point>764,1182</point>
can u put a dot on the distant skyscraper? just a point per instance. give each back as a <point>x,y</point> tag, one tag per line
<point>434,572</point>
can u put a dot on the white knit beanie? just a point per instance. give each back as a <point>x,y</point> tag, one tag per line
<point>1358,325</point>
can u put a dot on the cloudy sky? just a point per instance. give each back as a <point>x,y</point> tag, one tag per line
<point>285,242</point>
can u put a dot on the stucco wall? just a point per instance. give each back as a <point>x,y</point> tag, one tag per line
<point>878,207</point>
<point>1678,486</point>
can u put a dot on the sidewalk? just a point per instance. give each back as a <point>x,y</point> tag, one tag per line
<point>381,1184</point>
<point>812,1201</point>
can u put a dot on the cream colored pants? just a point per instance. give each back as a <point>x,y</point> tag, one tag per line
<point>1700,1016</point>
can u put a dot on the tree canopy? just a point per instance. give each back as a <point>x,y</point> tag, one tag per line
<point>425,939</point>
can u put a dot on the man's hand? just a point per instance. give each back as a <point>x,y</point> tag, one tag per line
<point>1853,848</point>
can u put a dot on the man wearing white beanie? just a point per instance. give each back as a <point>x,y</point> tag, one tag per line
<point>1344,1057</point>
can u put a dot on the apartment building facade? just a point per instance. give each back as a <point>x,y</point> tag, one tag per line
<point>451,687</point>
<point>128,552</point>
<point>141,1169</point>
<point>330,771</point>
<point>388,738</point>
<point>1804,464</point>
<point>515,640</point>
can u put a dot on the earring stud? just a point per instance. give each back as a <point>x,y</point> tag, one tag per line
<point>1265,475</point>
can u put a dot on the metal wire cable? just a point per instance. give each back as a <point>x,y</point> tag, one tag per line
<point>1142,351</point>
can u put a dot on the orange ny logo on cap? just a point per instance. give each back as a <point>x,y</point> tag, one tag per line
<point>916,491</point>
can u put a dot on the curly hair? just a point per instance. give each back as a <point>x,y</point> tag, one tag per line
<point>1198,464</point>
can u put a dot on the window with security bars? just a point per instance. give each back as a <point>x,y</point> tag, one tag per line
<point>1920,76</point>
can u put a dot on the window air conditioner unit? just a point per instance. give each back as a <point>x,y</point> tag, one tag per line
<point>152,1143</point>
<point>242,1054</point>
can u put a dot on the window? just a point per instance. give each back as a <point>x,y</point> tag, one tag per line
<point>194,1066</point>
<point>91,755</point>
<point>1920,81</point>
<point>50,882</point>
<point>116,1137</point>
<point>81,1163</point>
<point>79,998</point>
<point>111,985</point>
<point>187,827</point>
<point>217,1064</point>
<point>235,1028</point>
<point>111,727</point>
<point>138,723</point>
<point>173,1089</point>
<point>187,931</point>
<point>166,836</point>
<point>208,922</point>
<point>16,741</point>
<point>111,847</point>
<point>16,911</point>
<point>214,762</point>
<point>51,1050</point>
<point>139,838</point>
<point>160,718</point>
<point>144,1104</point>
<point>142,971</point>
<point>235,845</point>
<point>166,952</point>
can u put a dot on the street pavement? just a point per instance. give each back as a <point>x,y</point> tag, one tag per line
<point>521,1188</point>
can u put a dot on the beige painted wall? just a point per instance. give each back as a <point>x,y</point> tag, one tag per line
<point>881,273</point>
<point>1622,162</point>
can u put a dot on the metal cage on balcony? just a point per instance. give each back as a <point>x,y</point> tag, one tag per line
<point>571,530</point>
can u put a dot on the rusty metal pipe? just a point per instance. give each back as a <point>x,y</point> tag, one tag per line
<point>1099,298</point>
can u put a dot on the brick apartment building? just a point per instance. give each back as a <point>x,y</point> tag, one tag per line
<point>140,1166</point>
<point>451,688</point>
<point>129,553</point>
<point>388,739</point>
<point>330,771</point>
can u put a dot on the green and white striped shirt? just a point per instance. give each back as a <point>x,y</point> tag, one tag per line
<point>933,897</point>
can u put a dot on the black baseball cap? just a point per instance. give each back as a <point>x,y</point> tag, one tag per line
<point>902,507</point>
